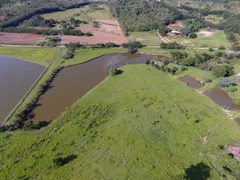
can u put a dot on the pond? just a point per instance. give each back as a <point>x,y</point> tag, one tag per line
<point>191,81</point>
<point>74,82</point>
<point>222,98</point>
<point>16,78</point>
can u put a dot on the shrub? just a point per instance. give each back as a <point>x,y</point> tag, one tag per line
<point>172,45</point>
<point>207,80</point>
<point>211,49</point>
<point>68,53</point>
<point>183,68</point>
<point>132,50</point>
<point>224,82</point>
<point>221,48</point>
<point>168,69</point>
<point>193,35</point>
<point>174,70</point>
<point>231,89</point>
<point>133,44</point>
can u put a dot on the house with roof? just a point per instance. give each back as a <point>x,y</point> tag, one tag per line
<point>176,29</point>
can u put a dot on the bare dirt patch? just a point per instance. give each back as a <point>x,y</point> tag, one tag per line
<point>98,37</point>
<point>37,27</point>
<point>19,38</point>
<point>235,150</point>
<point>108,31</point>
<point>142,37</point>
<point>106,21</point>
<point>205,33</point>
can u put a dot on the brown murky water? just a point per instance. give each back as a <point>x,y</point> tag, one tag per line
<point>16,77</point>
<point>75,81</point>
<point>238,121</point>
<point>191,81</point>
<point>220,97</point>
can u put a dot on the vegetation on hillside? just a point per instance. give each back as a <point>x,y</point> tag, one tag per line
<point>140,129</point>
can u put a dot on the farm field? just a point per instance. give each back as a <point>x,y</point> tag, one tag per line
<point>38,55</point>
<point>146,38</point>
<point>19,38</point>
<point>205,38</point>
<point>108,131</point>
<point>98,37</point>
<point>108,31</point>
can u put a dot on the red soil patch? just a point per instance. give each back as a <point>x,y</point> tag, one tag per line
<point>142,37</point>
<point>38,27</point>
<point>235,150</point>
<point>104,34</point>
<point>105,21</point>
<point>98,37</point>
<point>236,80</point>
<point>19,38</point>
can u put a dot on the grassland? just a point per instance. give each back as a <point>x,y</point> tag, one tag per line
<point>38,55</point>
<point>215,19</point>
<point>141,124</point>
<point>87,13</point>
<point>215,40</point>
<point>146,38</point>
<point>83,55</point>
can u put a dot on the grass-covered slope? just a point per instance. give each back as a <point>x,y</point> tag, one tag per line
<point>38,55</point>
<point>142,124</point>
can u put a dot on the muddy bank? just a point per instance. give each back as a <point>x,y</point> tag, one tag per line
<point>75,81</point>
<point>222,98</point>
<point>16,78</point>
<point>191,81</point>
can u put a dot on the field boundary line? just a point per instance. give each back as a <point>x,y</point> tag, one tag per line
<point>31,88</point>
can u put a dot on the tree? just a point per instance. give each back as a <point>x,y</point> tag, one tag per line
<point>113,71</point>
<point>163,30</point>
<point>223,70</point>
<point>174,70</point>
<point>190,61</point>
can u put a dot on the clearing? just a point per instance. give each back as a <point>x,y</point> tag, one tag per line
<point>205,38</point>
<point>146,38</point>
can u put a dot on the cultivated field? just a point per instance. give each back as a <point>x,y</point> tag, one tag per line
<point>138,125</point>
<point>109,29</point>
<point>19,38</point>
<point>98,37</point>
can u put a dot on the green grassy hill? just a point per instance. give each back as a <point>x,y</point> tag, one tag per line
<point>142,124</point>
